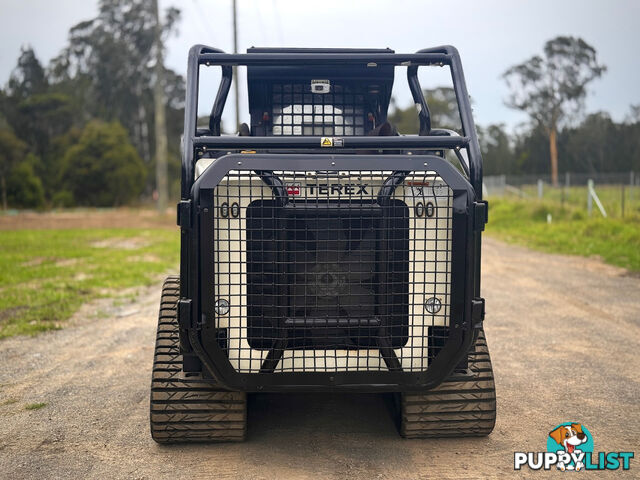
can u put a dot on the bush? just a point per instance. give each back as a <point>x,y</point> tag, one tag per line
<point>103,169</point>
<point>24,187</point>
<point>62,199</point>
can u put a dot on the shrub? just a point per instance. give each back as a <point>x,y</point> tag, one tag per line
<point>24,187</point>
<point>103,169</point>
<point>62,199</point>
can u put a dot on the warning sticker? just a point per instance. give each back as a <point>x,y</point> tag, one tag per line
<point>320,86</point>
<point>424,189</point>
<point>326,142</point>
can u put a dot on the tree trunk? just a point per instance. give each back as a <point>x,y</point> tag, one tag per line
<point>235,68</point>
<point>553,150</point>
<point>4,192</point>
<point>160,121</point>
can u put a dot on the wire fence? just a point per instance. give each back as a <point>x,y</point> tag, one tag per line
<point>605,194</point>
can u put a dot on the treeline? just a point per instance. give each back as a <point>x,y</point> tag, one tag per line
<point>79,131</point>
<point>596,144</point>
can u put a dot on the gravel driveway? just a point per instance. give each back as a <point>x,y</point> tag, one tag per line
<point>563,333</point>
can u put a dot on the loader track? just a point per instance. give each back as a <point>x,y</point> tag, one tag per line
<point>188,408</point>
<point>455,408</point>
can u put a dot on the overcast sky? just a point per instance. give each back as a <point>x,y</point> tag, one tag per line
<point>490,35</point>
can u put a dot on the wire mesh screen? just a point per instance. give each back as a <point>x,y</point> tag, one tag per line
<point>332,271</point>
<point>297,111</point>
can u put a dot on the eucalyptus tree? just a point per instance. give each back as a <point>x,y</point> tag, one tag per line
<point>551,87</point>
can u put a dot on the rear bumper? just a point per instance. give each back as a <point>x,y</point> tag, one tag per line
<point>197,316</point>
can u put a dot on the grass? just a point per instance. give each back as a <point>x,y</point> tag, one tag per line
<point>45,275</point>
<point>35,406</point>
<point>614,240</point>
<point>576,198</point>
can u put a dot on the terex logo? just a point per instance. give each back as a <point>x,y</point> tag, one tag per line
<point>329,189</point>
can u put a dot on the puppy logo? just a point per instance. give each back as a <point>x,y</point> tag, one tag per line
<point>569,437</point>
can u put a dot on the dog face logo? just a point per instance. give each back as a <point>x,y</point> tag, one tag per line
<point>569,437</point>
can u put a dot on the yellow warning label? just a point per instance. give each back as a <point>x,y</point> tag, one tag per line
<point>326,142</point>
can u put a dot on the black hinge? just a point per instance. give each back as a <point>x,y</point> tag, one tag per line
<point>477,311</point>
<point>184,313</point>
<point>480,215</point>
<point>184,213</point>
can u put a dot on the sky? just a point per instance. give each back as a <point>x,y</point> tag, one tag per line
<point>491,35</point>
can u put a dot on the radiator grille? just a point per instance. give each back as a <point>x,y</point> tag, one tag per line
<point>332,271</point>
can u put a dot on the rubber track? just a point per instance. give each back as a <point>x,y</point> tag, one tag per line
<point>188,409</point>
<point>454,408</point>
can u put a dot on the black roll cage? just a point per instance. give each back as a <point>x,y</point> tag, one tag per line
<point>194,215</point>
<point>427,138</point>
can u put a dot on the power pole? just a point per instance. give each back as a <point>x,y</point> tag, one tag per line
<point>160,119</point>
<point>235,68</point>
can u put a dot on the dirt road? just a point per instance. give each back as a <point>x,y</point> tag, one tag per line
<point>563,333</point>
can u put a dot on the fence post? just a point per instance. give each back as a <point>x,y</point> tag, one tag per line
<point>623,200</point>
<point>540,188</point>
<point>593,197</point>
<point>632,182</point>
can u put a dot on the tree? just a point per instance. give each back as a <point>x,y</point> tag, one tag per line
<point>496,150</point>
<point>589,146</point>
<point>634,114</point>
<point>45,117</point>
<point>630,139</point>
<point>24,187</point>
<point>552,87</point>
<point>107,71</point>
<point>531,152</point>
<point>103,169</point>
<point>599,144</point>
<point>112,61</point>
<point>38,111</point>
<point>443,107</point>
<point>12,150</point>
<point>160,131</point>
<point>28,78</point>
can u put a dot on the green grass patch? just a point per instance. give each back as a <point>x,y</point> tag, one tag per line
<point>575,198</point>
<point>615,240</point>
<point>35,406</point>
<point>45,275</point>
